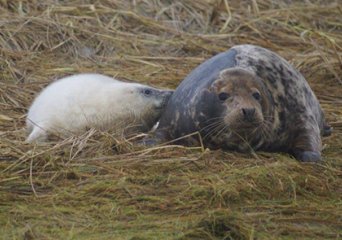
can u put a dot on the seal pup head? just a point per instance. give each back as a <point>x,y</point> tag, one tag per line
<point>245,103</point>
<point>149,104</point>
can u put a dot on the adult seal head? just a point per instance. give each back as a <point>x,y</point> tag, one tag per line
<point>76,103</point>
<point>247,98</point>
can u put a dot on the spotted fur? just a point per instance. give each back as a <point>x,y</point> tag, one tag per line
<point>294,117</point>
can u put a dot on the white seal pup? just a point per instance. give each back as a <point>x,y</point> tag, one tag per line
<point>76,103</point>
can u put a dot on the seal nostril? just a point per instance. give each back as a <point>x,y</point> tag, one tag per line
<point>248,113</point>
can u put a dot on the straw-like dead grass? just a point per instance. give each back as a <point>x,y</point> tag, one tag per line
<point>100,186</point>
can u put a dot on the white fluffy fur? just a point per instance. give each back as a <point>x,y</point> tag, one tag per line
<point>72,104</point>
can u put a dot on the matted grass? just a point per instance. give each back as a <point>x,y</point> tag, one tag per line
<point>83,188</point>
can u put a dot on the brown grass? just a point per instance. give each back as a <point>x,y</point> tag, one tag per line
<point>82,188</point>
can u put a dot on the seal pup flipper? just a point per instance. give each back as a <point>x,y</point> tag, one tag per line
<point>37,135</point>
<point>307,146</point>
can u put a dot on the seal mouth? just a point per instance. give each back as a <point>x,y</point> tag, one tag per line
<point>246,125</point>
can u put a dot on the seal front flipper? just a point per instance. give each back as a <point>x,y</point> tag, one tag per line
<point>307,156</point>
<point>38,134</point>
<point>159,136</point>
<point>307,146</point>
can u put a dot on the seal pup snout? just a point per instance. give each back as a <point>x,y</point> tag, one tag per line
<point>160,97</point>
<point>166,97</point>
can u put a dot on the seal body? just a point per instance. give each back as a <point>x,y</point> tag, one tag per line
<point>73,104</point>
<point>248,98</point>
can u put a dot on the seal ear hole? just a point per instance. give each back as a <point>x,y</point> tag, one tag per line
<point>223,96</point>
<point>256,96</point>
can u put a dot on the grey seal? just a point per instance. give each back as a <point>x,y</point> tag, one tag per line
<point>247,98</point>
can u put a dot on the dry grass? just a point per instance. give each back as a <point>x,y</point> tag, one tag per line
<point>83,188</point>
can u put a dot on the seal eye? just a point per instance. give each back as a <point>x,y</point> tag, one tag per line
<point>147,92</point>
<point>257,96</point>
<point>223,96</point>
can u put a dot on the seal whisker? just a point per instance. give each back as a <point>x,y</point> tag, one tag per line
<point>213,130</point>
<point>266,130</point>
<point>210,126</point>
<point>213,126</point>
<point>215,118</point>
<point>219,132</point>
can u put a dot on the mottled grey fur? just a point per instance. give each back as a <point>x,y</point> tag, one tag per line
<point>295,117</point>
